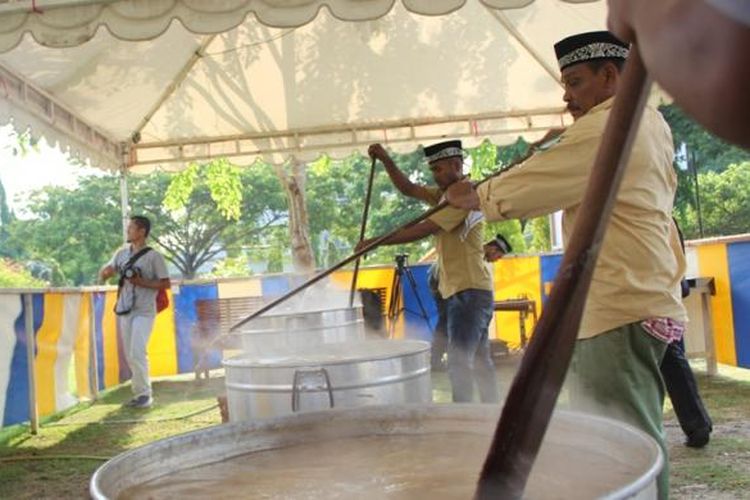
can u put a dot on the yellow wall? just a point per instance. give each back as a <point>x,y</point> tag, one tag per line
<point>46,354</point>
<point>109,338</point>
<point>513,278</point>
<point>82,349</point>
<point>162,346</point>
<point>371,278</point>
<point>239,288</point>
<point>712,261</point>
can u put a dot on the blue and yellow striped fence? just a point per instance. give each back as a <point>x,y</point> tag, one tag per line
<point>77,350</point>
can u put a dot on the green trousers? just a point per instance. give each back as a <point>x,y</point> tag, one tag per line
<point>616,374</point>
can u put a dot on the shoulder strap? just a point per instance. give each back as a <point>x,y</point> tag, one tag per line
<point>143,251</point>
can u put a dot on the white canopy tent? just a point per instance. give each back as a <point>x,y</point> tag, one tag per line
<point>157,84</point>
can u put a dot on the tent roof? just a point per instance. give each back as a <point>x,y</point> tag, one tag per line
<point>191,80</point>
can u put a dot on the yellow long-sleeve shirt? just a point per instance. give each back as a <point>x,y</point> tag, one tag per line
<point>641,263</point>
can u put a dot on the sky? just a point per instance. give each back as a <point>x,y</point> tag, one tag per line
<point>21,174</point>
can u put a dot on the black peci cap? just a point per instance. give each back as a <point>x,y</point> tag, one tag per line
<point>590,46</point>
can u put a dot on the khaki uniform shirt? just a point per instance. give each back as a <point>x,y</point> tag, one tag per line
<point>638,273</point>
<point>460,250</point>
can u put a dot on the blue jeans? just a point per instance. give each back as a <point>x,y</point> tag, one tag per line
<point>469,314</point>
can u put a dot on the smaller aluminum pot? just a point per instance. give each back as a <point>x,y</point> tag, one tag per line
<point>340,375</point>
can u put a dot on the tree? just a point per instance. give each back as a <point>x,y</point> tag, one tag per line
<point>705,153</point>
<point>5,214</point>
<point>336,195</point>
<point>24,142</point>
<point>711,153</point>
<point>725,201</point>
<point>293,179</point>
<point>13,275</point>
<point>389,208</point>
<point>210,210</point>
<point>216,210</point>
<point>6,217</point>
<point>72,231</point>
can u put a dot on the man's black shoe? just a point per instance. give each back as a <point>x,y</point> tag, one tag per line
<point>698,438</point>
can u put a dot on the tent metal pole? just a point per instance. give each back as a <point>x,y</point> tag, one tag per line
<point>515,33</point>
<point>28,313</point>
<point>94,364</point>
<point>124,202</point>
<point>176,82</point>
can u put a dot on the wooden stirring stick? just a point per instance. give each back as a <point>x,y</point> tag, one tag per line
<point>537,384</point>
<point>362,231</point>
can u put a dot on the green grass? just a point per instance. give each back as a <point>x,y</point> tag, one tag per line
<point>102,429</point>
<point>105,428</point>
<point>721,469</point>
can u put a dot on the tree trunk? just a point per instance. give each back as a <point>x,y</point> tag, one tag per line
<point>292,177</point>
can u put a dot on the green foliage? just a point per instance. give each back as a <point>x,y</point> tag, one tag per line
<point>711,153</point>
<point>512,152</point>
<point>511,231</point>
<point>73,231</point>
<point>725,203</point>
<point>239,215</point>
<point>539,235</point>
<point>209,210</point>
<point>5,215</point>
<point>181,187</point>
<point>275,260</point>
<point>483,160</point>
<point>707,155</point>
<point>272,249</point>
<point>524,236</point>
<point>336,192</point>
<point>230,267</point>
<point>13,275</point>
<point>25,143</point>
<point>222,180</point>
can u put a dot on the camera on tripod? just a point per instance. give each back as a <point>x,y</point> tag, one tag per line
<point>401,260</point>
<point>396,306</point>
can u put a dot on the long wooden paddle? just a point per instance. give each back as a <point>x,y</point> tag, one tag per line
<point>362,230</point>
<point>537,384</point>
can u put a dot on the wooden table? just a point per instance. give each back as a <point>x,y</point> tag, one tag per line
<point>523,307</point>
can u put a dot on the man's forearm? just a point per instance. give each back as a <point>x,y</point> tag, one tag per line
<point>105,273</point>
<point>398,178</point>
<point>414,233</point>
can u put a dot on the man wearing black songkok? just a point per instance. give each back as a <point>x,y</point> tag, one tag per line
<point>633,309</point>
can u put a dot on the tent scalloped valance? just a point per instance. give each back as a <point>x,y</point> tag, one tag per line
<point>68,23</point>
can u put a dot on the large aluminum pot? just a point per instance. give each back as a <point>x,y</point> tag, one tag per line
<point>582,457</point>
<point>300,329</point>
<point>341,375</point>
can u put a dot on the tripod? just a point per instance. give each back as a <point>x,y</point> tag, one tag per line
<point>395,306</point>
